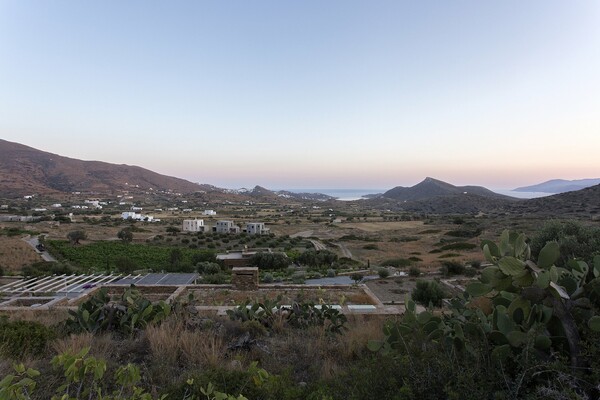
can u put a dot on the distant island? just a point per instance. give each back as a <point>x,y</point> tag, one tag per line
<point>559,186</point>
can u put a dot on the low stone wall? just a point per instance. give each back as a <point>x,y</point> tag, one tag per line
<point>244,278</point>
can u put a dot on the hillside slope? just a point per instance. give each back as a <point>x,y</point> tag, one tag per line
<point>25,170</point>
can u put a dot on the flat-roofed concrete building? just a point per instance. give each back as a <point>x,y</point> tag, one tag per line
<point>193,225</point>
<point>226,227</point>
<point>256,228</point>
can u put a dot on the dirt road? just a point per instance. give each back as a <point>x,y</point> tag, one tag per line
<point>33,242</point>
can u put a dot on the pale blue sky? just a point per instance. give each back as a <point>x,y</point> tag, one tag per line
<point>309,94</point>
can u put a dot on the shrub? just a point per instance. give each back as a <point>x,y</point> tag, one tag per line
<point>357,277</point>
<point>208,268</point>
<point>215,279</point>
<point>414,271</point>
<point>464,233</point>
<point>383,272</point>
<point>370,247</point>
<point>43,268</point>
<point>459,246</point>
<point>298,277</point>
<point>428,292</point>
<point>331,273</point>
<point>397,262</point>
<point>404,239</point>
<point>268,278</point>
<point>125,265</point>
<point>452,268</point>
<point>575,240</point>
<point>23,338</point>
<point>470,272</point>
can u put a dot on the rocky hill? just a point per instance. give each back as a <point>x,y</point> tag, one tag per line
<point>25,171</point>
<point>430,188</point>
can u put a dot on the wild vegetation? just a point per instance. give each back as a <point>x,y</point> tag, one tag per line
<point>527,327</point>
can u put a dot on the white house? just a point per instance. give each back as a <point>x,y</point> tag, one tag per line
<point>256,228</point>
<point>226,227</point>
<point>138,217</point>
<point>209,212</point>
<point>130,214</point>
<point>193,225</point>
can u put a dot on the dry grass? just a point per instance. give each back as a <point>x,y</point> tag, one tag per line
<point>170,343</point>
<point>101,346</point>
<point>383,226</point>
<point>46,317</point>
<point>15,254</point>
<point>204,348</point>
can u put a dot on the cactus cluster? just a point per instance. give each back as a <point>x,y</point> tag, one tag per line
<point>128,315</point>
<point>299,315</point>
<point>515,304</point>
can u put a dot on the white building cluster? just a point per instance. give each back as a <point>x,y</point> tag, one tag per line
<point>224,226</point>
<point>138,216</point>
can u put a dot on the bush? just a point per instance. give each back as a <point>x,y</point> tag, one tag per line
<point>298,277</point>
<point>574,239</point>
<point>44,268</point>
<point>414,271</point>
<point>428,292</point>
<point>357,277</point>
<point>397,262</point>
<point>459,246</point>
<point>464,233</point>
<point>331,273</point>
<point>450,268</point>
<point>208,268</point>
<point>383,272</point>
<point>125,265</point>
<point>24,338</point>
<point>215,279</point>
<point>268,278</point>
<point>370,247</point>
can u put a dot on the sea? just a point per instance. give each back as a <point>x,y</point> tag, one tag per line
<point>357,194</point>
<point>341,194</point>
<point>521,195</point>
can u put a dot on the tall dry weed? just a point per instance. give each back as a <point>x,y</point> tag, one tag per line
<point>361,329</point>
<point>164,341</point>
<point>205,348</point>
<point>101,346</point>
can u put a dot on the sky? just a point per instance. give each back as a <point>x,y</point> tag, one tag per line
<point>309,94</point>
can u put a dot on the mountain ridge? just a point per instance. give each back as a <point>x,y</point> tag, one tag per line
<point>25,170</point>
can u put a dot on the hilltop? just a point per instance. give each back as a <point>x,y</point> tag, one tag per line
<point>430,188</point>
<point>438,197</point>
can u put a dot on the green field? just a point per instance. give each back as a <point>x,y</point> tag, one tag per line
<point>101,256</point>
